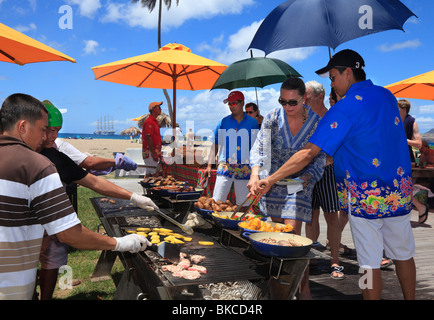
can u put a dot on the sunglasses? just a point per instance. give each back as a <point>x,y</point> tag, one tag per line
<point>291,103</point>
<point>250,112</point>
<point>233,103</point>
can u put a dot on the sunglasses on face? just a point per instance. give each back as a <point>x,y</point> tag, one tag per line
<point>291,103</point>
<point>250,112</point>
<point>233,103</point>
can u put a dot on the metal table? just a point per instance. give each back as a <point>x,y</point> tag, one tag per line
<point>423,175</point>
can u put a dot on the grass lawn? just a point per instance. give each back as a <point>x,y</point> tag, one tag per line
<point>83,262</point>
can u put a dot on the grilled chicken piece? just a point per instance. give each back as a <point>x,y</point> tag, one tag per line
<point>184,263</point>
<point>200,269</point>
<point>197,258</point>
<point>186,274</point>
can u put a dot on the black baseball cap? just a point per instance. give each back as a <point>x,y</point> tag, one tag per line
<point>345,58</point>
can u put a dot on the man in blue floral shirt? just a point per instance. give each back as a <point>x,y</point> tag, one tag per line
<point>364,134</point>
<point>235,134</point>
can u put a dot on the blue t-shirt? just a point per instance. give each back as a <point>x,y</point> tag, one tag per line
<point>364,134</point>
<point>240,137</point>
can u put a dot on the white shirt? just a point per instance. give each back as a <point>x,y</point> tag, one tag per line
<point>76,155</point>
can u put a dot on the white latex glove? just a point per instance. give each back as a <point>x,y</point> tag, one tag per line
<point>133,243</point>
<point>143,202</point>
<point>194,220</point>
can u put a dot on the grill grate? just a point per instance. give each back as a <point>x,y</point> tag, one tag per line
<point>222,265</point>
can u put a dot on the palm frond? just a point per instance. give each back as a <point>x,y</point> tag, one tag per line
<point>150,4</point>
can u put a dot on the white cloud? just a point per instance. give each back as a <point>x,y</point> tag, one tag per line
<point>410,44</point>
<point>132,14</point>
<point>88,8</point>
<point>237,44</point>
<point>90,47</point>
<point>424,115</point>
<point>25,29</point>
<point>428,108</point>
<point>425,123</point>
<point>32,4</point>
<point>136,16</point>
<point>63,111</point>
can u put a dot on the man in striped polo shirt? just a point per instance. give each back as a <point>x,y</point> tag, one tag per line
<point>32,199</point>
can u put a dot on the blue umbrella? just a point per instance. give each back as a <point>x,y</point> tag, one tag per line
<point>308,23</point>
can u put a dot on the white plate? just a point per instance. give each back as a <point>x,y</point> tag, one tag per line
<point>287,182</point>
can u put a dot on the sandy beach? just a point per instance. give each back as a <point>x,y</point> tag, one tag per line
<point>103,147</point>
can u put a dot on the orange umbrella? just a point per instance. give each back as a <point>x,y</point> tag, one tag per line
<point>171,67</point>
<point>417,87</point>
<point>18,48</point>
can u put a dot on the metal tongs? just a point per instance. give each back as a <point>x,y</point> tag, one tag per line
<point>183,227</point>
<point>204,182</point>
<point>238,208</point>
<point>255,199</point>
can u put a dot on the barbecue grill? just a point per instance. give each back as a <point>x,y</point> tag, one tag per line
<point>234,269</point>
<point>144,276</point>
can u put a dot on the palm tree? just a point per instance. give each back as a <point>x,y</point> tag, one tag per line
<point>151,6</point>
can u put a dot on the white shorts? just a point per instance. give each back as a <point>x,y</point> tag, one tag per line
<point>371,236</point>
<point>223,185</point>
<point>150,165</point>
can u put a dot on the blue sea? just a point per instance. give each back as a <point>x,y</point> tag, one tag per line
<point>90,136</point>
<point>115,136</point>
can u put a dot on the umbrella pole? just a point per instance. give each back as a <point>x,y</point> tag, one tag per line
<point>256,92</point>
<point>174,107</point>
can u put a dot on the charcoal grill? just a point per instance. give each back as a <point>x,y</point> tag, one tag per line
<point>143,275</point>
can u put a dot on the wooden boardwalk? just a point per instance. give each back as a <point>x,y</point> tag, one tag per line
<point>325,288</point>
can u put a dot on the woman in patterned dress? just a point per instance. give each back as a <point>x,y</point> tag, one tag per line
<point>284,131</point>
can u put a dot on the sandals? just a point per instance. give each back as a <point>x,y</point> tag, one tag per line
<point>385,263</point>
<point>345,251</point>
<point>337,273</point>
<point>424,216</point>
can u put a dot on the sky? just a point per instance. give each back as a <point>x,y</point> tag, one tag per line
<point>95,32</point>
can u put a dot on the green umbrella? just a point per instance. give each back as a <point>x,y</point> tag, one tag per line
<point>254,72</point>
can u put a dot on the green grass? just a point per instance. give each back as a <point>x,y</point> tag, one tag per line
<point>83,262</point>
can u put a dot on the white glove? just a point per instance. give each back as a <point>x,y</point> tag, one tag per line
<point>133,243</point>
<point>143,202</point>
<point>194,220</point>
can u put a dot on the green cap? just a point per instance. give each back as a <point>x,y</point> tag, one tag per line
<point>55,118</point>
